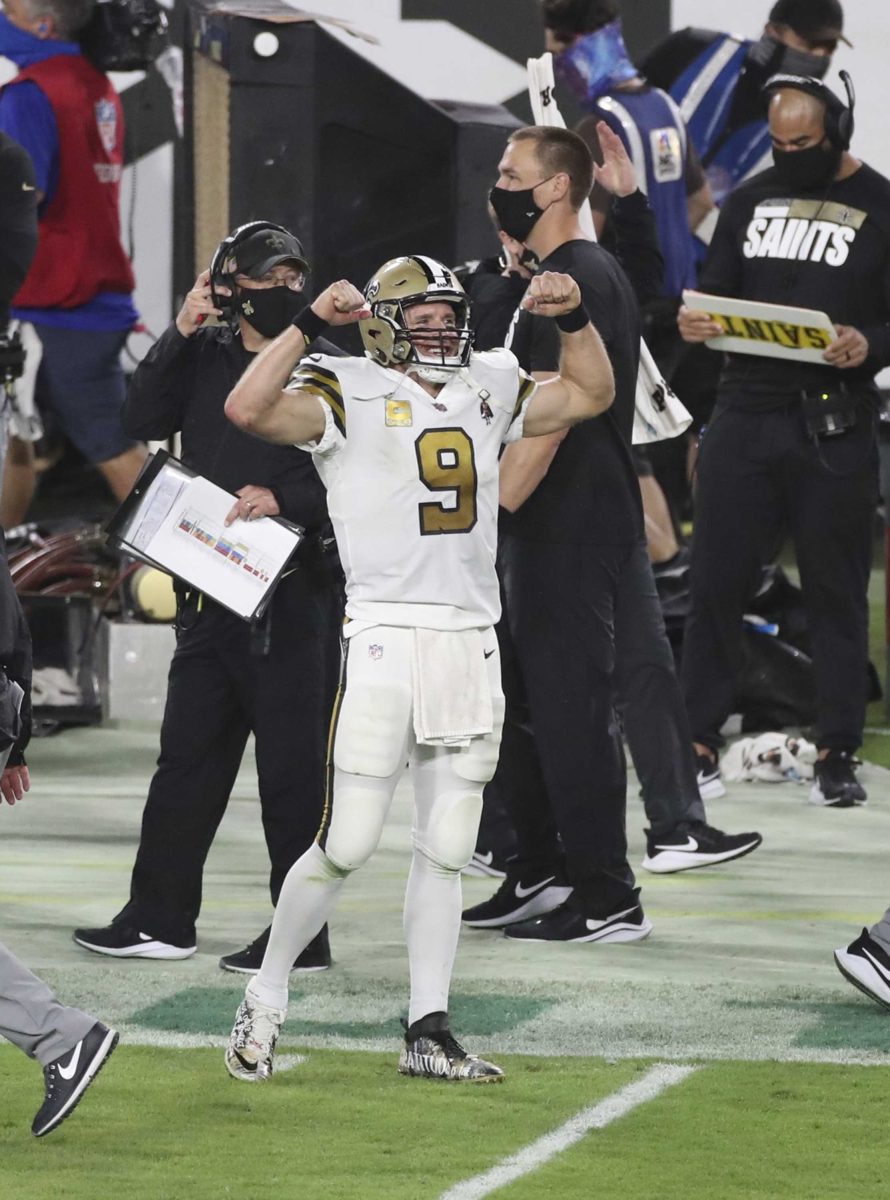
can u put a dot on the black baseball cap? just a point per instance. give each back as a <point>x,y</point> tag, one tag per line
<point>263,250</point>
<point>815,20</point>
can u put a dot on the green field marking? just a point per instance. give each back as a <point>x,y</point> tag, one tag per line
<point>836,1025</point>
<point>211,1010</point>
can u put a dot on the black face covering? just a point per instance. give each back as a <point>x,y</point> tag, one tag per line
<point>269,310</point>
<point>807,169</point>
<point>516,211</point>
<point>777,58</point>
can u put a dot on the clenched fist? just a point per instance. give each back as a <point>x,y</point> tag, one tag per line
<point>551,294</point>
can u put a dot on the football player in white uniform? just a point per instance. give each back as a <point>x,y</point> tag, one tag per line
<point>407,440</point>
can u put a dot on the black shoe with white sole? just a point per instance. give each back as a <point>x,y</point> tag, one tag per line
<point>695,844</point>
<point>866,964</point>
<point>67,1078</point>
<point>516,901</point>
<point>834,781</point>
<point>566,924</point>
<point>121,940</point>
<point>710,784</point>
<point>316,956</point>
<point>488,863</point>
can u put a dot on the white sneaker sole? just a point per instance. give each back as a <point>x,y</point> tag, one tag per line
<point>542,902</point>
<point>712,789</point>
<point>816,797</point>
<point>668,862</point>
<point>142,950</point>
<point>483,870</point>
<point>862,975</point>
<point>615,933</point>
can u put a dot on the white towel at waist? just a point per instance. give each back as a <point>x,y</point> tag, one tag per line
<point>452,696</point>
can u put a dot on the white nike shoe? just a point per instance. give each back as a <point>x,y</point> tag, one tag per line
<point>250,1053</point>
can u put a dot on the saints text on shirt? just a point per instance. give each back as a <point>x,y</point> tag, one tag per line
<point>803,230</point>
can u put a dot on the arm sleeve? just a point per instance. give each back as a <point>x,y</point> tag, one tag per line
<point>878,334</point>
<point>636,245</point>
<point>300,493</point>
<point>722,272</point>
<point>27,116</point>
<point>160,387</point>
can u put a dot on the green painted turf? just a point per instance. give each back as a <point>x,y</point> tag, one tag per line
<point>171,1125</point>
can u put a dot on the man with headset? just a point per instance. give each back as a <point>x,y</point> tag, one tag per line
<point>227,678</point>
<point>793,445</point>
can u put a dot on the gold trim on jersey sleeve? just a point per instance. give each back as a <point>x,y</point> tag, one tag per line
<point>526,386</point>
<point>321,382</point>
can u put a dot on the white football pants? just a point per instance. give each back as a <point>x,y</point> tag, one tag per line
<point>373,742</point>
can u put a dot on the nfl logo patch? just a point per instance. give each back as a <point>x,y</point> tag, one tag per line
<point>375,651</point>
<point>106,120</point>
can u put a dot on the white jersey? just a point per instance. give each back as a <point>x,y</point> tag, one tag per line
<point>412,483</point>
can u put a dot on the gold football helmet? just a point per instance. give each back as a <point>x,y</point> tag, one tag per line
<point>396,287</point>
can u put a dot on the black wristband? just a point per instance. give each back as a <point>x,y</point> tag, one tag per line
<point>310,324</point>
<point>571,322</point>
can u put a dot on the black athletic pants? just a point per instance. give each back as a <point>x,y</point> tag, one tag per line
<point>758,473</point>
<point>567,780</point>
<point>219,691</point>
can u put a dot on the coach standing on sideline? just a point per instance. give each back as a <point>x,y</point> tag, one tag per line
<point>794,444</point>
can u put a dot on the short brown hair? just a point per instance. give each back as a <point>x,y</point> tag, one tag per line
<point>561,151</point>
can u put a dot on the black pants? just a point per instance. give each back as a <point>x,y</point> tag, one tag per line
<point>567,779</point>
<point>219,691</point>
<point>650,701</point>
<point>756,473</point>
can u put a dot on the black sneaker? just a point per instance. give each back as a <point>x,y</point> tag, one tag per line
<point>566,924</point>
<point>432,1052</point>
<point>68,1077</point>
<point>695,844</point>
<point>835,783</point>
<point>316,956</point>
<point>710,785</point>
<point>486,862</point>
<point>121,940</point>
<point>514,901</point>
<point>866,964</point>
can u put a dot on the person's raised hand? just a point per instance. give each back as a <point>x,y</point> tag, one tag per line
<point>341,304</point>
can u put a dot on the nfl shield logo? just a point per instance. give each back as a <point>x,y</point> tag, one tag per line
<point>375,651</point>
<point>106,120</point>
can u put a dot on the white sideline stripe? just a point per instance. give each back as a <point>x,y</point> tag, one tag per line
<point>533,1156</point>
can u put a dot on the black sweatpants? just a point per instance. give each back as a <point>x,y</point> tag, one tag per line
<point>757,473</point>
<point>219,691</point>
<point>567,779</point>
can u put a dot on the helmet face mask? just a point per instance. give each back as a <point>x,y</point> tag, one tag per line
<point>392,338</point>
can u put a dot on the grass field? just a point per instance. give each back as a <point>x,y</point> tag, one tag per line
<point>722,1058</point>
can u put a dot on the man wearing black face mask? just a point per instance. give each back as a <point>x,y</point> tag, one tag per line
<point>227,679</point>
<point>792,445</point>
<point>717,79</point>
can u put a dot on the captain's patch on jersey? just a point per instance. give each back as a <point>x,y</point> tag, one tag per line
<point>803,231</point>
<point>667,155</point>
<point>398,412</point>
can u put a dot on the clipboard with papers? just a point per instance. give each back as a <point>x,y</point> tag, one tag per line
<point>770,330</point>
<point>174,519</point>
